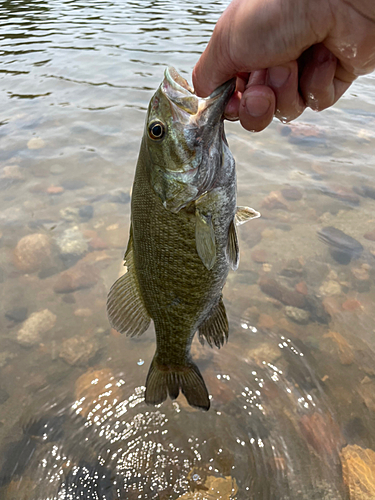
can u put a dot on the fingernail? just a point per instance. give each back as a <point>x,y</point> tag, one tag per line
<point>257,106</point>
<point>278,75</point>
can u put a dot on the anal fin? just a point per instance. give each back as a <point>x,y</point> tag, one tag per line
<point>215,329</point>
<point>244,214</point>
<point>125,307</point>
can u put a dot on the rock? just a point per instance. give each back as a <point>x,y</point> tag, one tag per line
<point>32,253</point>
<point>297,315</point>
<point>265,352</point>
<point>365,191</point>
<point>57,169</point>
<point>351,305</point>
<point>358,466</point>
<point>330,288</point>
<point>118,196</point>
<point>35,143</point>
<point>35,326</point>
<point>12,173</point>
<point>265,321</point>
<point>55,190</point>
<point>345,350</point>
<point>70,214</point>
<point>97,243</point>
<point>360,273</point>
<point>367,391</point>
<point>301,287</point>
<point>5,357</point>
<point>370,235</point>
<point>72,184</point>
<point>321,432</point>
<point>259,256</point>
<point>86,212</point>
<point>274,289</point>
<point>78,351</point>
<point>97,386</point>
<point>82,275</point>
<point>4,396</point>
<point>83,313</point>
<point>343,247</point>
<point>213,488</point>
<point>291,193</point>
<point>116,237</point>
<point>292,269</point>
<point>72,243</point>
<point>17,314</point>
<point>274,201</point>
<point>341,193</point>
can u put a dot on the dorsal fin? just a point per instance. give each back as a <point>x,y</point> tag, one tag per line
<point>125,307</point>
<point>233,249</point>
<point>215,328</point>
<point>244,214</point>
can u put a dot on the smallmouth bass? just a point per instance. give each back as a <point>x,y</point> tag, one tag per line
<point>182,238</point>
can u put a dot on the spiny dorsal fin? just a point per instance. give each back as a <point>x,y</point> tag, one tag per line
<point>215,328</point>
<point>245,214</point>
<point>233,249</point>
<point>164,380</point>
<point>125,308</point>
<point>205,239</point>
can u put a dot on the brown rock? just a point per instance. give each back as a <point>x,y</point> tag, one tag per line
<point>259,256</point>
<point>82,275</point>
<point>321,432</point>
<point>34,326</point>
<point>213,488</point>
<point>78,350</point>
<point>288,297</point>
<point>274,201</point>
<point>358,470</point>
<point>98,243</point>
<point>55,190</point>
<point>291,193</point>
<point>351,305</point>
<point>346,353</point>
<point>301,287</point>
<point>265,321</point>
<point>370,235</point>
<point>32,252</point>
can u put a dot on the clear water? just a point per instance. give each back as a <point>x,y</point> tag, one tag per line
<point>290,400</point>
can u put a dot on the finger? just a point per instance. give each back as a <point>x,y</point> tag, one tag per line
<point>257,107</point>
<point>233,107</point>
<point>319,86</point>
<point>283,80</point>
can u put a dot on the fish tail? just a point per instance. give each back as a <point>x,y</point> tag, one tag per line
<point>164,380</point>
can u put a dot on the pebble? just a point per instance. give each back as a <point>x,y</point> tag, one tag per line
<point>17,314</point>
<point>265,321</point>
<point>13,173</point>
<point>259,256</point>
<point>360,273</point>
<point>82,275</point>
<point>57,169</point>
<point>330,288</point>
<point>365,191</point>
<point>35,143</point>
<point>32,252</point>
<point>213,488</point>
<point>55,190</point>
<point>291,193</point>
<point>34,326</point>
<point>343,247</point>
<point>77,351</point>
<point>301,287</point>
<point>274,201</point>
<point>297,315</point>
<point>351,305</point>
<point>72,184</point>
<point>370,235</point>
<point>86,212</point>
<point>341,193</point>
<point>274,289</point>
<point>72,243</point>
<point>346,353</point>
<point>83,313</point>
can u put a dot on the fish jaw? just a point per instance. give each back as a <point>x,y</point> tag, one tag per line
<point>188,159</point>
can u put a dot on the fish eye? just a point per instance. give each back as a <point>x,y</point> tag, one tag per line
<point>156,130</point>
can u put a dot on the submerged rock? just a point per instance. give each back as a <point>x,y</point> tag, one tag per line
<point>297,315</point>
<point>343,247</point>
<point>32,253</point>
<point>288,297</point>
<point>82,275</point>
<point>72,243</point>
<point>78,350</point>
<point>358,465</point>
<point>35,326</point>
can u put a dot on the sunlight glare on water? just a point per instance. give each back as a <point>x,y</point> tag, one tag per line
<point>292,393</point>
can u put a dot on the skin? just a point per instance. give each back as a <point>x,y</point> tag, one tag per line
<point>287,55</point>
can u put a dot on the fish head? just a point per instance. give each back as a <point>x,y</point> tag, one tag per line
<point>184,137</point>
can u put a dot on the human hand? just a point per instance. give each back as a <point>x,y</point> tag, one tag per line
<point>287,54</point>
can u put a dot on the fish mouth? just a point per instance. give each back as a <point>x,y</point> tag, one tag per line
<point>183,99</point>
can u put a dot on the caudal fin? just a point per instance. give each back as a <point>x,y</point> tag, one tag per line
<point>163,380</point>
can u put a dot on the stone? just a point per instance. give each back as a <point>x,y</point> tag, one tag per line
<point>330,288</point>
<point>32,252</point>
<point>266,352</point>
<point>72,243</point>
<point>288,297</point>
<point>265,321</point>
<point>70,214</point>
<point>77,351</point>
<point>13,173</point>
<point>360,273</point>
<point>83,313</point>
<point>274,201</point>
<point>72,184</point>
<point>301,287</point>
<point>343,247</point>
<point>259,256</point>
<point>345,350</point>
<point>321,432</point>
<point>35,143</point>
<point>35,326</point>
<point>358,471</point>
<point>291,193</point>
<point>351,305</point>
<point>341,193</point>
<point>297,315</point>
<point>4,396</point>
<point>17,314</point>
<point>118,196</point>
<point>86,212</point>
<point>370,235</point>
<point>57,169</point>
<point>212,488</point>
<point>82,275</point>
<point>55,190</point>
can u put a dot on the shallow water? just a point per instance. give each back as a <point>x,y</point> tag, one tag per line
<point>293,392</point>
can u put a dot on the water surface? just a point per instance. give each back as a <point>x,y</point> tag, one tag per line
<point>293,392</point>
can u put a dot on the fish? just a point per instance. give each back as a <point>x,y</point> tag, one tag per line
<point>182,239</point>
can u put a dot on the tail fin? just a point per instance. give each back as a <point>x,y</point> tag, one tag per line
<point>163,380</point>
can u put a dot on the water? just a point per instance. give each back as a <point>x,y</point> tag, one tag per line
<point>293,392</point>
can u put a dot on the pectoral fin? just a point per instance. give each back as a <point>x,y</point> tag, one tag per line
<point>215,328</point>
<point>125,307</point>
<point>245,214</point>
<point>205,239</point>
<point>233,249</point>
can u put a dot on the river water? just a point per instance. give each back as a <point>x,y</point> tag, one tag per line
<point>293,392</point>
